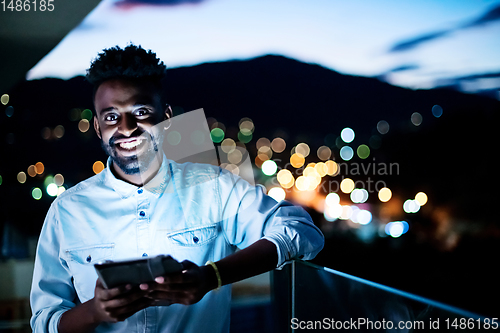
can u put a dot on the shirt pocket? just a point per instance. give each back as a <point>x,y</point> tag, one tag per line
<point>81,262</point>
<point>194,244</point>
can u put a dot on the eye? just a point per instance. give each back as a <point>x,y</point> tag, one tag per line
<point>142,112</point>
<point>111,117</point>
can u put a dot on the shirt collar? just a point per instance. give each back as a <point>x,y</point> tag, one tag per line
<point>156,186</point>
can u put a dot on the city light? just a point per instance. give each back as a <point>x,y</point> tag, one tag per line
<point>421,198</point>
<point>347,135</point>
<point>297,160</point>
<point>416,119</point>
<point>303,149</point>
<point>277,193</point>
<point>285,178</point>
<point>52,189</point>
<point>21,177</point>
<point>332,199</point>
<point>97,167</point>
<point>347,185</point>
<point>396,229</point>
<point>217,135</point>
<point>83,125</point>
<point>36,193</point>
<point>269,167</point>
<point>363,151</point>
<point>278,145</point>
<point>324,153</point>
<point>384,194</point>
<point>359,195</point>
<point>346,153</point>
<point>437,111</point>
<point>383,127</point>
<point>411,206</point>
<point>4,99</point>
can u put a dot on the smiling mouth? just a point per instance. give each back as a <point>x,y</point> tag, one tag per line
<point>130,144</point>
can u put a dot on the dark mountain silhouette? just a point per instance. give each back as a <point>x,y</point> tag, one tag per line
<point>451,158</point>
<point>302,102</point>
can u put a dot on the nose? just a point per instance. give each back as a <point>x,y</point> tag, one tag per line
<point>128,125</point>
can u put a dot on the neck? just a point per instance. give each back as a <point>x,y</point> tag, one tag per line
<point>141,178</point>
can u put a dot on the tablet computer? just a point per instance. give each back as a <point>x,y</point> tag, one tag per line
<point>137,271</point>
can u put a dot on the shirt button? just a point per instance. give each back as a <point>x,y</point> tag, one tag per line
<point>89,258</point>
<point>142,213</point>
<point>139,191</point>
<point>144,254</point>
<point>195,239</point>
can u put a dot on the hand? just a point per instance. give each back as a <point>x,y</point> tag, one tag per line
<point>187,287</point>
<point>117,304</point>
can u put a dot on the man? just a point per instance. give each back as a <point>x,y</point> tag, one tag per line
<point>143,204</point>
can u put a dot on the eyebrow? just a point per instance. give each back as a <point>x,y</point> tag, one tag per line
<point>112,108</point>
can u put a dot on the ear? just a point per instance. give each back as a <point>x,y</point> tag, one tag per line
<point>168,112</point>
<point>97,128</point>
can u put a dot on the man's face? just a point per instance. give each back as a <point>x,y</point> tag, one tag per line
<point>126,113</point>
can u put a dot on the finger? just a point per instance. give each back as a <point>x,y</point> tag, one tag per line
<point>107,294</point>
<point>124,300</point>
<point>128,310</point>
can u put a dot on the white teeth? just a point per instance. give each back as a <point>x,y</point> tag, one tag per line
<point>130,145</point>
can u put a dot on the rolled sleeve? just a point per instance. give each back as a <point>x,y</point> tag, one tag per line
<point>250,215</point>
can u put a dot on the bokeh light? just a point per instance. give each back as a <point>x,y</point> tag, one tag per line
<point>59,179</point>
<point>302,183</point>
<point>269,167</point>
<point>362,217</point>
<point>52,189</point>
<point>228,145</point>
<point>278,145</point>
<point>302,149</point>
<point>217,135</point>
<point>437,111</point>
<point>421,198</point>
<point>83,125</point>
<point>363,151</point>
<point>235,156</point>
<point>396,229</point>
<point>359,195</point>
<point>4,99</point>
<point>285,178</point>
<point>36,193</point>
<point>385,194</point>
<point>347,135</point>
<point>416,118</point>
<point>324,153</point>
<point>97,167</point>
<point>332,199</point>
<point>32,171</point>
<point>297,160</point>
<point>332,168</point>
<point>383,127</point>
<point>39,168</point>
<point>332,212</point>
<point>59,131</point>
<point>86,114</point>
<point>262,142</point>
<point>277,193</point>
<point>174,138</point>
<point>411,206</point>
<point>346,153</point>
<point>347,185</point>
<point>21,177</point>
<point>9,111</point>
<point>246,126</point>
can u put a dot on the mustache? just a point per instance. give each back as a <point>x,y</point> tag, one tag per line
<point>137,133</point>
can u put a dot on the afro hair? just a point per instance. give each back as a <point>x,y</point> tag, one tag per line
<point>132,62</point>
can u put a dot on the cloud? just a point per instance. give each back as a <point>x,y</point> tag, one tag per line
<point>490,16</point>
<point>414,42</point>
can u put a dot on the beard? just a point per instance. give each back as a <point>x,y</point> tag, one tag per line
<point>134,164</point>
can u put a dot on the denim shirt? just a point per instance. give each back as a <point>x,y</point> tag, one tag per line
<point>190,211</point>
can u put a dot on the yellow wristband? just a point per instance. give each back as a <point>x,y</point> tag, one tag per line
<point>219,280</point>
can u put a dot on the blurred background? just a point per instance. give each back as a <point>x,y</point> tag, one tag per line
<point>379,118</point>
